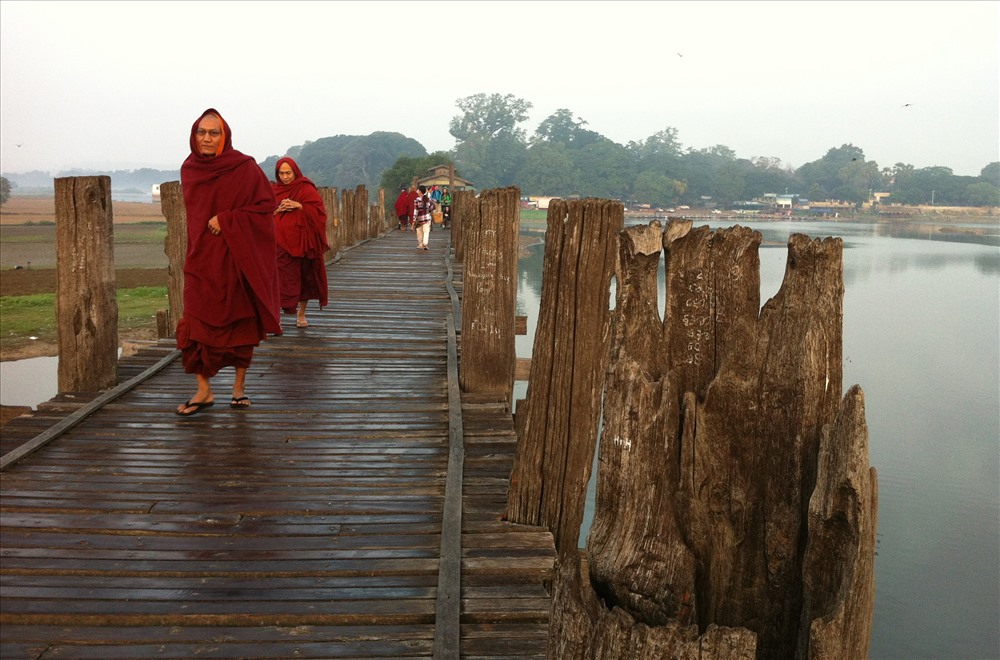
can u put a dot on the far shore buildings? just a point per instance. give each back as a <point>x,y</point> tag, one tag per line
<point>443,175</point>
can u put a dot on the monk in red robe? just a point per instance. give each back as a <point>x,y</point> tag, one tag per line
<point>230,274</point>
<point>300,232</point>
<point>402,208</point>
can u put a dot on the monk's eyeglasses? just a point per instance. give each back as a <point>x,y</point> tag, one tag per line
<point>201,132</point>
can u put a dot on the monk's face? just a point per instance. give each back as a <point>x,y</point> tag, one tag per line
<point>285,174</point>
<point>209,135</point>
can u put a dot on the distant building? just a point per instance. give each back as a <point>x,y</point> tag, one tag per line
<point>156,192</point>
<point>440,175</point>
<point>541,202</point>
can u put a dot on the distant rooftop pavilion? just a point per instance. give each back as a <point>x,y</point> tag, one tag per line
<point>441,175</point>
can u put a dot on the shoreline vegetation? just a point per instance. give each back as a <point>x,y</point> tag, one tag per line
<point>27,261</point>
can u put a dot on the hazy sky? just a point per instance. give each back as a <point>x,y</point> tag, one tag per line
<point>117,85</point>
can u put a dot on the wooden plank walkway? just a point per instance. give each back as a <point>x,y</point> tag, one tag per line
<point>308,526</point>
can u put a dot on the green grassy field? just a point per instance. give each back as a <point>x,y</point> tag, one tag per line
<point>26,320</point>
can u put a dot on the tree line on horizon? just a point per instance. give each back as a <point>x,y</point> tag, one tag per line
<point>563,158</point>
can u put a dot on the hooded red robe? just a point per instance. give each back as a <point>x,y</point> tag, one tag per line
<point>230,280</point>
<point>301,239</point>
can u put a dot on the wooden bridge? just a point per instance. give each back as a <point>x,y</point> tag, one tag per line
<point>354,510</point>
<point>364,505</point>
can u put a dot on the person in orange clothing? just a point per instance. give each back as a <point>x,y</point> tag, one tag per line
<point>300,232</point>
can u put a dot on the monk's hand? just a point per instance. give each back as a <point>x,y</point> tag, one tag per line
<point>214,226</point>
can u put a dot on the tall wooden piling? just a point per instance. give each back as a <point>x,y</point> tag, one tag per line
<point>464,204</point>
<point>334,226</point>
<point>357,222</point>
<point>557,422</point>
<point>175,247</point>
<point>86,303</point>
<point>490,294</point>
<point>736,512</point>
<point>348,207</point>
<point>362,217</point>
<point>378,214</point>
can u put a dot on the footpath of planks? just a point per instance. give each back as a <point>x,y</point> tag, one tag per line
<point>307,526</point>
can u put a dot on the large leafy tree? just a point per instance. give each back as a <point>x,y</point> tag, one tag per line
<point>730,183</point>
<point>561,128</point>
<point>547,170</point>
<point>830,172</point>
<point>857,181</point>
<point>4,190</point>
<point>766,175</point>
<point>929,185</point>
<point>656,189</point>
<point>983,194</point>
<point>659,154</point>
<point>663,143</point>
<point>991,173</point>
<point>699,168</point>
<point>487,117</point>
<point>605,169</point>
<point>407,168</point>
<point>490,147</point>
<point>346,161</point>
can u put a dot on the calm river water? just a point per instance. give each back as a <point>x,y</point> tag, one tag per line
<point>922,338</point>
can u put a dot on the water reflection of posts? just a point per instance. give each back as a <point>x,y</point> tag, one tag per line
<point>86,303</point>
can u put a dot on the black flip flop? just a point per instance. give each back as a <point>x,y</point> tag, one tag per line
<point>197,408</point>
<point>237,402</point>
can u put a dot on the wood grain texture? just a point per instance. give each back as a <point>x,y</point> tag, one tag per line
<point>309,525</point>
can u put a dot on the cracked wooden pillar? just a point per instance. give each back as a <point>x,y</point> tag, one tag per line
<point>86,303</point>
<point>362,219</point>
<point>464,204</point>
<point>333,224</point>
<point>175,247</point>
<point>378,213</point>
<point>736,510</point>
<point>557,421</point>
<point>347,207</point>
<point>489,299</point>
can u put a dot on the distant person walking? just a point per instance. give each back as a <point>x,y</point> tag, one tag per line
<point>230,274</point>
<point>300,232</point>
<point>402,208</point>
<point>411,197</point>
<point>423,213</point>
<point>446,207</point>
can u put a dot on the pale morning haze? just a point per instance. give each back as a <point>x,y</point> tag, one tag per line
<point>116,85</point>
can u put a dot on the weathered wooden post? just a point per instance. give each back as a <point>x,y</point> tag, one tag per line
<point>490,294</point>
<point>378,213</point>
<point>736,511</point>
<point>175,247</point>
<point>347,206</point>
<point>464,204</point>
<point>333,224</point>
<point>361,215</point>
<point>86,302</point>
<point>557,422</point>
